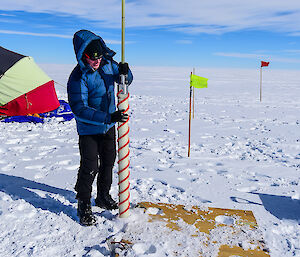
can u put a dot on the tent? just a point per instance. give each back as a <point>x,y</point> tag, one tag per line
<point>24,88</point>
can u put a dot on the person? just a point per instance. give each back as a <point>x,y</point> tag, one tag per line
<point>91,96</point>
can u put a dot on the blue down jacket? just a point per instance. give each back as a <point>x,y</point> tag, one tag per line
<point>91,93</point>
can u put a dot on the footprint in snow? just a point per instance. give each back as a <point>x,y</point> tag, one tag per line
<point>201,200</point>
<point>161,181</point>
<point>180,189</point>
<point>222,172</point>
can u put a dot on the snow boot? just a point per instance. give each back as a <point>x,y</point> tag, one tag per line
<point>84,212</point>
<point>106,202</point>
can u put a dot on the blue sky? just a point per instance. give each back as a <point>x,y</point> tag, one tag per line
<point>190,33</point>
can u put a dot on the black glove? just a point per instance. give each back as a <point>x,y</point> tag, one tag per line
<point>123,68</point>
<point>119,116</point>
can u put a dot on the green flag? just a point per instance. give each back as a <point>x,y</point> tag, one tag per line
<point>198,82</point>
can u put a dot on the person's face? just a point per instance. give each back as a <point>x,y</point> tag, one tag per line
<point>94,63</point>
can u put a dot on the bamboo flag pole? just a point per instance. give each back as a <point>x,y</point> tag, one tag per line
<point>123,137</point>
<point>260,90</point>
<point>190,112</point>
<point>123,32</point>
<point>193,102</point>
<point>198,82</point>
<point>263,64</point>
<point>193,97</point>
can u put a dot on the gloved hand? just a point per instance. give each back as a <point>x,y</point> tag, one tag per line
<point>123,68</point>
<point>119,116</point>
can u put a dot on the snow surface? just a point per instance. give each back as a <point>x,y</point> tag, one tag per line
<point>245,154</point>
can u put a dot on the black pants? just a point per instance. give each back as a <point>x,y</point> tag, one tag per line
<point>97,156</point>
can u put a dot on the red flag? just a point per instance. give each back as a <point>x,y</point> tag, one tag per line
<point>264,64</point>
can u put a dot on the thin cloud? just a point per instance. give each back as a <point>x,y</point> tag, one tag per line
<point>258,57</point>
<point>10,21</point>
<point>7,15</point>
<point>187,16</point>
<point>12,32</point>
<point>240,55</point>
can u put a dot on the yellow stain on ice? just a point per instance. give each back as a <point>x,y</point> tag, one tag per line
<point>204,220</point>
<point>227,251</point>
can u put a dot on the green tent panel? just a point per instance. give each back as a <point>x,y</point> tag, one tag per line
<point>21,78</point>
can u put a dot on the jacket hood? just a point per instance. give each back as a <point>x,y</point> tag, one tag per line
<point>81,40</point>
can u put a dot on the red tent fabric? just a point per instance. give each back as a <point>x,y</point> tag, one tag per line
<point>40,100</point>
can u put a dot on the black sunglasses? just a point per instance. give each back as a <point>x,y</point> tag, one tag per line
<point>94,58</point>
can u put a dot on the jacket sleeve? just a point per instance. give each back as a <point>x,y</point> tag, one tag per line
<point>115,68</point>
<point>78,100</point>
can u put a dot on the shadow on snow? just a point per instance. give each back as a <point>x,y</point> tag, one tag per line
<point>39,195</point>
<point>282,207</point>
